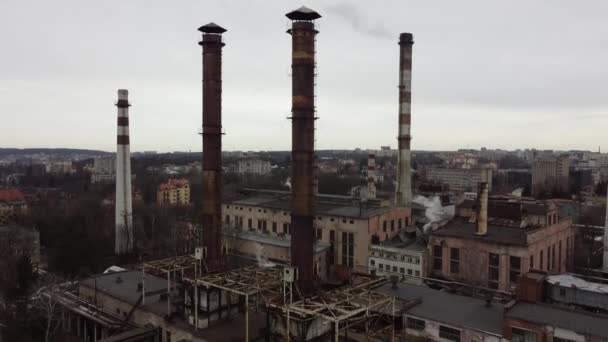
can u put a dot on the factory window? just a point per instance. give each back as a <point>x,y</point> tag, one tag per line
<point>437,256</point>
<point>514,268</point>
<point>399,224</point>
<point>259,210</point>
<point>249,224</point>
<point>384,226</point>
<point>493,266</point>
<point>520,335</point>
<point>380,266</point>
<point>416,324</point>
<point>319,234</point>
<point>392,225</point>
<point>331,219</point>
<point>343,221</point>
<point>249,209</point>
<point>540,266</point>
<point>559,255</point>
<point>332,238</point>
<point>531,262</point>
<point>228,219</point>
<point>449,333</point>
<point>352,222</point>
<point>402,270</point>
<point>168,336</point>
<point>553,257</point>
<point>417,273</point>
<point>228,206</point>
<point>264,210</point>
<point>454,260</point>
<point>394,268</point>
<point>562,292</point>
<point>548,258</point>
<point>274,227</point>
<point>372,262</point>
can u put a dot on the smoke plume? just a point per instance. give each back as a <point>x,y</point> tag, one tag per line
<point>358,22</point>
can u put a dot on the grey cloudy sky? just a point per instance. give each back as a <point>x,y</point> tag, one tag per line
<point>500,74</point>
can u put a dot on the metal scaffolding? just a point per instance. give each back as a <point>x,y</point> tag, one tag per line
<point>355,307</point>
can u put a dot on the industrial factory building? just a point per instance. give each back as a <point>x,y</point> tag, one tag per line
<point>501,240</point>
<point>343,223</point>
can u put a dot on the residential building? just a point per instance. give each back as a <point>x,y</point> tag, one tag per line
<point>174,192</point>
<point>104,170</point>
<point>345,224</point>
<point>431,315</point>
<point>458,179</point>
<point>521,235</point>
<point>550,175</point>
<point>59,166</point>
<point>253,167</point>
<point>405,259</point>
<point>12,203</point>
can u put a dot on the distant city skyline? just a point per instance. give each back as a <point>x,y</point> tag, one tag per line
<point>498,75</point>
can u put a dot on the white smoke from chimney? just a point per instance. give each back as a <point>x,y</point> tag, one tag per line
<point>288,183</point>
<point>261,258</point>
<point>434,212</point>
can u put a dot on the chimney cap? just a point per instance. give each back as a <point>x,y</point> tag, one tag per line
<point>212,28</point>
<point>406,38</point>
<point>303,13</point>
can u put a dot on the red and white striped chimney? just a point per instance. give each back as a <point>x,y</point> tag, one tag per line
<point>123,239</point>
<point>404,177</point>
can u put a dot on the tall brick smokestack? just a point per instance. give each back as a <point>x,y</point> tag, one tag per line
<point>371,176</point>
<point>303,144</point>
<point>404,177</point>
<point>123,239</point>
<point>212,142</point>
<point>482,209</point>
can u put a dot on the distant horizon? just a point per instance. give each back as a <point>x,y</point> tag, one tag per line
<point>288,150</point>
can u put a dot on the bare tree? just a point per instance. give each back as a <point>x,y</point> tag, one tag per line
<point>46,302</point>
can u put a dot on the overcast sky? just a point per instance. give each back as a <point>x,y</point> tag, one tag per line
<point>500,74</point>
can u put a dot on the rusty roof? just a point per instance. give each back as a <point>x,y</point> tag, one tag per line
<point>498,234</point>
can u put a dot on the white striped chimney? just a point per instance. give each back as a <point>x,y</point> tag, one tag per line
<point>403,190</point>
<point>371,176</point>
<point>123,242</point>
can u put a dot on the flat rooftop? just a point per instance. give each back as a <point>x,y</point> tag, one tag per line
<point>327,205</point>
<point>449,308</point>
<point>579,322</point>
<point>124,286</point>
<point>460,227</point>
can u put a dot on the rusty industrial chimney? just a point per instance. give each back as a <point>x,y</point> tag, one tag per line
<point>303,144</point>
<point>212,142</point>
<point>404,178</point>
<point>371,176</point>
<point>482,209</point>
